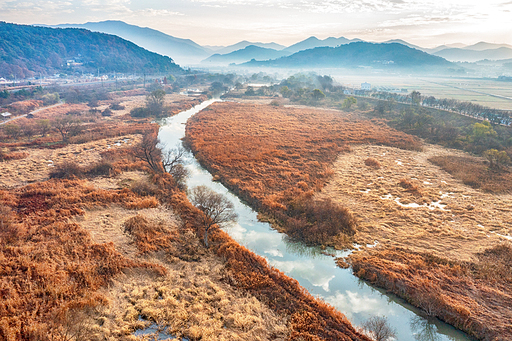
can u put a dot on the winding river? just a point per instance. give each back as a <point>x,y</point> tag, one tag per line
<point>314,270</point>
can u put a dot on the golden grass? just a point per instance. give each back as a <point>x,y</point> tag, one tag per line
<point>272,155</point>
<point>36,166</point>
<point>443,259</point>
<point>63,241</point>
<point>471,221</point>
<point>475,173</point>
<point>475,297</point>
<point>192,300</point>
<point>49,265</point>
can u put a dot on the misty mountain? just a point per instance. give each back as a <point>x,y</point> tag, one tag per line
<point>26,51</point>
<point>243,44</point>
<point>403,42</point>
<point>245,55</point>
<point>313,42</point>
<point>467,55</point>
<point>183,51</point>
<point>359,54</point>
<point>481,46</point>
<point>443,47</point>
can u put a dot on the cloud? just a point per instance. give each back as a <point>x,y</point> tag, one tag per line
<point>151,12</point>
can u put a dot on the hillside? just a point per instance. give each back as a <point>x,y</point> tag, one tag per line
<point>26,51</point>
<point>183,51</point>
<point>359,54</point>
<point>245,55</point>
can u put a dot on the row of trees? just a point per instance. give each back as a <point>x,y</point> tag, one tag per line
<point>495,116</point>
<point>67,127</point>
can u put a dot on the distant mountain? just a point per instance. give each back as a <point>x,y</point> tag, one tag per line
<point>313,42</point>
<point>26,51</point>
<point>359,54</point>
<point>443,47</point>
<point>467,55</point>
<point>183,51</point>
<point>243,44</point>
<point>245,55</point>
<point>403,42</point>
<point>481,46</point>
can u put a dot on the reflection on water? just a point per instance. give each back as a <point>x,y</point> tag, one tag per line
<point>312,267</point>
<point>424,330</point>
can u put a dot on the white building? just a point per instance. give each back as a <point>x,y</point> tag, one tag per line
<point>366,86</point>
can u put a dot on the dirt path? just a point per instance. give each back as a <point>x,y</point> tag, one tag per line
<point>442,216</point>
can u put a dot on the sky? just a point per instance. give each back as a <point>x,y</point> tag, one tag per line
<point>426,23</point>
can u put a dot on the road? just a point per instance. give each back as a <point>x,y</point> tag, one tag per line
<point>32,112</point>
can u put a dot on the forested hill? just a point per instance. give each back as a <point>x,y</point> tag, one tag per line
<point>26,51</point>
<point>360,54</point>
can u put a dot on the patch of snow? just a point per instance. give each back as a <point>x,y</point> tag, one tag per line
<point>506,237</point>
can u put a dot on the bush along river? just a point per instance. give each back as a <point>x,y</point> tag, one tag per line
<point>313,267</point>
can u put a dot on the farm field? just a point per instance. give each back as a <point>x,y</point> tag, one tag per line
<point>439,243</point>
<point>461,89</point>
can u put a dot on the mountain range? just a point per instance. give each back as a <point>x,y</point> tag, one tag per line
<point>244,55</point>
<point>311,52</point>
<point>187,52</point>
<point>182,51</point>
<point>360,54</point>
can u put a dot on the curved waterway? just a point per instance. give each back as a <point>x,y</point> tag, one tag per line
<point>312,267</point>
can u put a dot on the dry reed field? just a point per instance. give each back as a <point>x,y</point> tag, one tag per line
<point>441,244</point>
<point>99,253</point>
<point>272,155</point>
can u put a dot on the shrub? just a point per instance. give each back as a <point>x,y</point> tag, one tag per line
<point>102,168</point>
<point>139,112</point>
<point>117,106</point>
<point>409,186</point>
<point>317,222</point>
<point>67,170</point>
<point>371,162</point>
<point>378,328</point>
<point>106,113</point>
<point>143,188</point>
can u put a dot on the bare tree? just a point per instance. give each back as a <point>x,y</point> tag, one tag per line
<point>217,209</point>
<point>155,102</point>
<point>67,127</point>
<point>174,164</point>
<point>377,327</point>
<point>171,162</point>
<point>148,151</point>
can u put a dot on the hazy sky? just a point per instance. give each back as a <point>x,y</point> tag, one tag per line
<point>222,22</point>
